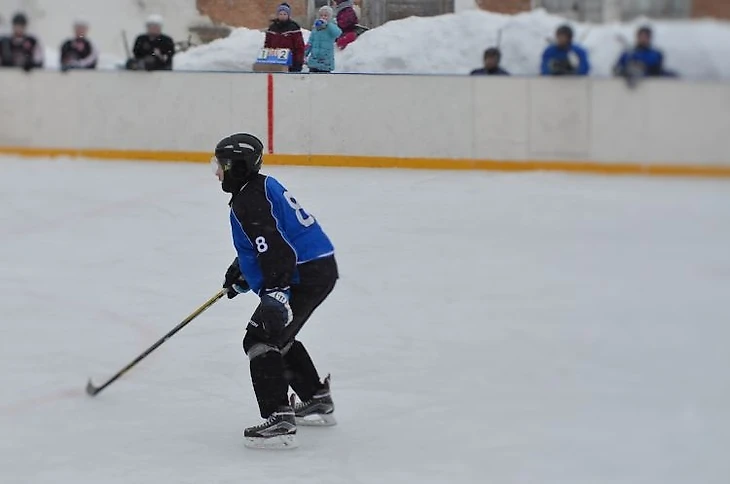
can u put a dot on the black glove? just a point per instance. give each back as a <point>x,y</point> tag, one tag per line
<point>272,314</point>
<point>234,281</point>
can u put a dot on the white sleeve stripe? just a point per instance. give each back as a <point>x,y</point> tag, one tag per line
<point>278,226</point>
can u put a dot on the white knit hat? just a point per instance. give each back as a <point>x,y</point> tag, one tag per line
<point>155,19</point>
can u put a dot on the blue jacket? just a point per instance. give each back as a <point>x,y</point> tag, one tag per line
<point>321,47</point>
<point>572,61</point>
<point>651,61</point>
<point>273,235</point>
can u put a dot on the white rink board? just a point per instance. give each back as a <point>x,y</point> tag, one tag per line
<point>459,117</point>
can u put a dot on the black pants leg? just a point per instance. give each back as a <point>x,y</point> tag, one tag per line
<point>283,361</point>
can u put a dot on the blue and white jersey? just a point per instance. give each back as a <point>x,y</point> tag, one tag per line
<point>273,234</point>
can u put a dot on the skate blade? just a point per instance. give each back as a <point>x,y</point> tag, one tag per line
<point>279,442</point>
<point>317,420</point>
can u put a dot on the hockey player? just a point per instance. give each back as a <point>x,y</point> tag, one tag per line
<point>79,52</point>
<point>565,58</point>
<point>286,259</point>
<point>153,51</point>
<point>643,60</point>
<point>21,49</point>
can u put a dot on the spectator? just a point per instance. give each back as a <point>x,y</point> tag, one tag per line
<point>320,50</point>
<point>347,22</point>
<point>564,58</point>
<point>492,56</point>
<point>284,33</point>
<point>644,60</point>
<point>154,50</point>
<point>20,49</point>
<point>79,52</point>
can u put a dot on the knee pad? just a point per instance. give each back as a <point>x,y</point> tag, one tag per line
<point>260,349</point>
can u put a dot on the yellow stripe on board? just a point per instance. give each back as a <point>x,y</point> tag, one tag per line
<point>713,171</point>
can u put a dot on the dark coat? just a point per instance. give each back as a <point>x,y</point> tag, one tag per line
<point>287,35</point>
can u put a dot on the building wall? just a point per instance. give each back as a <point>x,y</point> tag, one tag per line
<point>711,8</point>
<point>257,13</point>
<point>254,14</point>
<point>505,6</point>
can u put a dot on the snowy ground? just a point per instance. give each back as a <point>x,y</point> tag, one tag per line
<point>500,328</point>
<point>454,44</point>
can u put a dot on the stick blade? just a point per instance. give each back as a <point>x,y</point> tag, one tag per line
<point>91,390</point>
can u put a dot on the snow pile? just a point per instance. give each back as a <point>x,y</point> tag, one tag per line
<point>453,44</point>
<point>237,52</point>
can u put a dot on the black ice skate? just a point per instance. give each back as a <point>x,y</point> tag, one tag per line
<point>278,432</point>
<point>319,411</point>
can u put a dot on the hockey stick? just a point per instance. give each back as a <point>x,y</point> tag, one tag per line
<point>94,390</point>
<point>126,44</point>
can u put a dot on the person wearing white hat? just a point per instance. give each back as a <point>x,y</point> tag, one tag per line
<point>153,51</point>
<point>79,52</point>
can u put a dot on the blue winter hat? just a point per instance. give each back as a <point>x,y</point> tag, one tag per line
<point>284,7</point>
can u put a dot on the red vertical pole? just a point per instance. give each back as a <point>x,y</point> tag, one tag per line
<point>270,114</point>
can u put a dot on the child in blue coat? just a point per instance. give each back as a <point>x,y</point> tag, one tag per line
<point>564,58</point>
<point>320,51</point>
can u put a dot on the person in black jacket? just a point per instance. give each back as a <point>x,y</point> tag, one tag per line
<point>154,50</point>
<point>492,56</point>
<point>79,52</point>
<point>21,49</point>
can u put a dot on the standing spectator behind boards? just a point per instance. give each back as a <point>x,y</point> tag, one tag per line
<point>492,56</point>
<point>564,58</point>
<point>20,49</point>
<point>79,52</point>
<point>320,50</point>
<point>154,50</point>
<point>284,33</point>
<point>644,60</point>
<point>346,21</point>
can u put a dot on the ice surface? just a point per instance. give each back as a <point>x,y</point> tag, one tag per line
<point>488,328</point>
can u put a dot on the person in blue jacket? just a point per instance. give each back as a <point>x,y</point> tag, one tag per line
<point>320,51</point>
<point>564,58</point>
<point>644,60</point>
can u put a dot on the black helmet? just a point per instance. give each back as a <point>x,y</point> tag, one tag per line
<point>240,156</point>
<point>20,19</point>
<point>566,30</point>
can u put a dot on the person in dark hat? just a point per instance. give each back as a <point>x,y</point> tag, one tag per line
<point>285,33</point>
<point>492,57</point>
<point>564,58</point>
<point>643,60</point>
<point>20,49</point>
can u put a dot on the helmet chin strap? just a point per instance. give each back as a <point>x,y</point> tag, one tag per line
<point>231,185</point>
